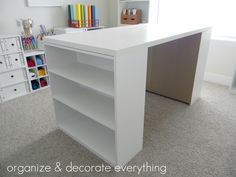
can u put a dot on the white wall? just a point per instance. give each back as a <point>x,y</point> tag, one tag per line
<point>50,16</point>
<point>221,61</point>
<point>113,7</point>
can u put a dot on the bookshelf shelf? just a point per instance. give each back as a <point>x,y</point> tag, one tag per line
<point>99,139</point>
<point>97,107</point>
<point>83,69</point>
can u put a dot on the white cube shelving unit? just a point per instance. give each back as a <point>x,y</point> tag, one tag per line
<point>83,93</point>
<point>15,79</point>
<point>33,55</point>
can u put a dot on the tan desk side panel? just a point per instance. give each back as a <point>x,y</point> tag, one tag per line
<point>172,66</point>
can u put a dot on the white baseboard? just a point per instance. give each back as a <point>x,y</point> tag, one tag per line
<point>218,79</point>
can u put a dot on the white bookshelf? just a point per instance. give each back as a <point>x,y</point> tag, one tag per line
<point>139,4</point>
<point>83,93</point>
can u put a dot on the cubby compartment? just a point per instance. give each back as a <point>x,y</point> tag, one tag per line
<point>99,139</point>
<point>44,82</point>
<point>96,106</point>
<point>40,60</point>
<point>30,62</point>
<point>33,74</point>
<point>95,72</point>
<point>42,71</point>
<point>35,85</point>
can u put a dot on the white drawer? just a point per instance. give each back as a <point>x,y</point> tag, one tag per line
<point>13,91</point>
<point>16,60</point>
<point>10,45</point>
<point>12,77</point>
<point>11,61</point>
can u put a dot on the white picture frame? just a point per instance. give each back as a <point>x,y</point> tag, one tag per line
<point>44,3</point>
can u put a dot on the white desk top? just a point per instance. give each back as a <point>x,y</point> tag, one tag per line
<point>111,41</point>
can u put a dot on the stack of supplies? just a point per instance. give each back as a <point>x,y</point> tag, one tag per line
<point>35,84</point>
<point>30,62</point>
<point>43,83</point>
<point>41,72</point>
<point>39,60</point>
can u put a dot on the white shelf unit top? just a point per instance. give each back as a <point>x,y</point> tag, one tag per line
<point>112,41</point>
<point>33,53</point>
<point>99,139</point>
<point>87,102</point>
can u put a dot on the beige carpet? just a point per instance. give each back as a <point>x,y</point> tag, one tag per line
<point>192,141</point>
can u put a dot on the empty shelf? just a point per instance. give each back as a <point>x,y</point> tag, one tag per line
<point>92,77</point>
<point>98,139</point>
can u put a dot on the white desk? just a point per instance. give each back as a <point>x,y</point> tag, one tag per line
<point>98,80</point>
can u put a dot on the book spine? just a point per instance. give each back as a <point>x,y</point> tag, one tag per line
<point>92,20</point>
<point>72,12</point>
<point>86,15</point>
<point>89,16</point>
<point>69,14</point>
<point>82,16</point>
<point>79,15</point>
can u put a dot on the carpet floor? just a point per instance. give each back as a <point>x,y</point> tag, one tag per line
<point>191,141</point>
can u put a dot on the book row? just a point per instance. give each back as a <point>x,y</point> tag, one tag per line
<point>82,16</point>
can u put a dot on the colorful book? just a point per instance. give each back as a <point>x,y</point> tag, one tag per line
<point>86,15</point>
<point>77,11</point>
<point>78,15</point>
<point>81,13</point>
<point>92,20</point>
<point>69,13</point>
<point>72,12</point>
<point>89,16</point>
<point>93,14</point>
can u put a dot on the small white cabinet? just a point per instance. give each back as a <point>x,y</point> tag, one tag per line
<point>13,75</point>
